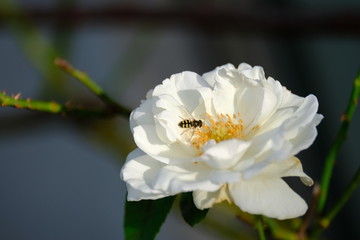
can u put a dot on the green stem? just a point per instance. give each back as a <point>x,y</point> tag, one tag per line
<point>325,221</point>
<point>92,86</point>
<point>260,228</point>
<point>339,140</point>
<point>278,231</point>
<point>246,218</point>
<point>49,107</point>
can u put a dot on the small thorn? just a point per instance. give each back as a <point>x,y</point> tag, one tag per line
<point>17,96</point>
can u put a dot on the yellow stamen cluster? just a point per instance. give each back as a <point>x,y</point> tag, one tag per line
<point>220,127</point>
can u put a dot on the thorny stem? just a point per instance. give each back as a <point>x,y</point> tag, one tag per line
<point>325,221</point>
<point>56,108</point>
<point>339,140</point>
<point>49,107</point>
<point>92,86</point>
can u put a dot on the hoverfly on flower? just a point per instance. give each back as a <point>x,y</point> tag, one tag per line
<point>192,123</point>
<point>189,123</point>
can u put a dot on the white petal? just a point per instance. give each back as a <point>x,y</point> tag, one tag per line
<point>148,178</point>
<point>204,199</point>
<point>192,176</point>
<point>305,137</point>
<point>149,94</point>
<point>188,80</point>
<point>277,89</point>
<point>229,84</point>
<point>243,66</point>
<point>223,96</point>
<point>147,139</point>
<point>290,100</point>
<point>136,195</point>
<point>195,101</point>
<point>184,178</point>
<point>142,115</point>
<point>182,85</point>
<point>277,120</point>
<point>224,176</point>
<point>224,154</point>
<point>138,172</point>
<point>167,115</point>
<point>288,168</point>
<point>210,76</point>
<point>302,116</point>
<point>269,104</point>
<point>166,124</point>
<point>256,105</point>
<point>301,129</point>
<point>270,197</point>
<point>256,72</point>
<point>265,149</point>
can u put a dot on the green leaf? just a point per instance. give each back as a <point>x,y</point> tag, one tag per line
<point>143,219</point>
<point>191,214</point>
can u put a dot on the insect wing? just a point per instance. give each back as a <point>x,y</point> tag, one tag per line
<point>185,114</point>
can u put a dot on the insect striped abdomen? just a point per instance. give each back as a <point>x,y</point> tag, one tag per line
<point>190,123</point>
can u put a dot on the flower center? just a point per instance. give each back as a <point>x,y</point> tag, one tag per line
<point>219,128</point>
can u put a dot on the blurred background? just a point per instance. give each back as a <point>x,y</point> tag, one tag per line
<point>59,175</point>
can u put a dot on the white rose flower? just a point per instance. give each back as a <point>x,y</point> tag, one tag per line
<point>230,134</point>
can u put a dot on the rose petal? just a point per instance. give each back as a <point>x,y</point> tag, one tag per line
<point>306,136</point>
<point>211,76</point>
<point>265,149</point>
<point>184,178</point>
<point>302,116</point>
<point>224,154</point>
<point>255,72</point>
<point>288,168</point>
<point>147,139</point>
<point>243,67</point>
<point>223,96</point>
<point>166,124</point>
<point>179,83</point>
<point>270,197</point>
<point>142,114</point>
<point>167,115</point>
<point>203,199</point>
<point>134,194</point>
<point>138,172</point>
<point>255,105</point>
